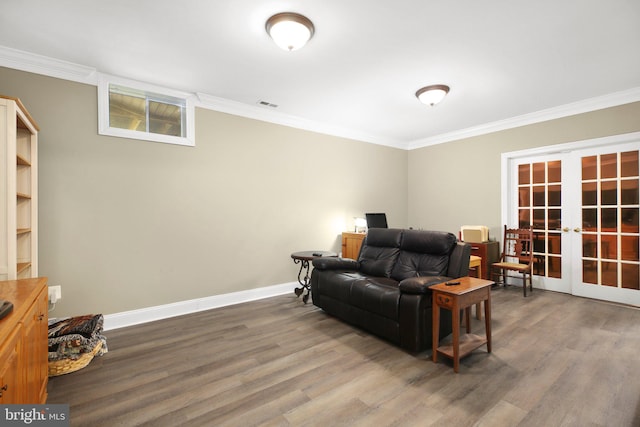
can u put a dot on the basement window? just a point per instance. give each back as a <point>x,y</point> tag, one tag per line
<point>129,109</point>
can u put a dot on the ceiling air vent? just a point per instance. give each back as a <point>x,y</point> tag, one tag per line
<point>267,104</point>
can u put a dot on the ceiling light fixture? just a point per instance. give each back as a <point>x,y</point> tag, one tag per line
<point>290,31</point>
<point>433,94</point>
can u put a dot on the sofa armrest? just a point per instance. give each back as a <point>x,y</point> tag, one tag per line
<point>420,285</point>
<point>333,263</point>
<point>459,260</point>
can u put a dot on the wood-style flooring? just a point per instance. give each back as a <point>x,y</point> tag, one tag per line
<point>557,360</point>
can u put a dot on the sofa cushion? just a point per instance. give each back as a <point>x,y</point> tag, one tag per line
<point>380,251</point>
<point>336,283</point>
<point>411,264</point>
<point>428,242</point>
<point>423,253</point>
<point>377,295</point>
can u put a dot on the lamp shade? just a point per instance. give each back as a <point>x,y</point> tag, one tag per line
<point>290,31</point>
<point>360,224</point>
<point>431,95</point>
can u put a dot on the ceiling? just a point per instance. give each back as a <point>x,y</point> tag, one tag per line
<point>358,76</point>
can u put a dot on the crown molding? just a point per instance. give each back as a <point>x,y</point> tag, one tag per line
<point>579,107</point>
<point>262,113</point>
<point>39,64</point>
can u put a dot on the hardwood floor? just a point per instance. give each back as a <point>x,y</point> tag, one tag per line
<point>557,360</point>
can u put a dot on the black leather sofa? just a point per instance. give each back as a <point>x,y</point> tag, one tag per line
<point>386,291</point>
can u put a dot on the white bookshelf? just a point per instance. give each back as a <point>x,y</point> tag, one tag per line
<point>18,191</point>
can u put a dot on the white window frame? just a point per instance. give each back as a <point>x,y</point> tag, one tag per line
<point>103,111</point>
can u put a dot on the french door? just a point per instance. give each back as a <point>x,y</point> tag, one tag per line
<point>583,204</point>
<point>541,199</point>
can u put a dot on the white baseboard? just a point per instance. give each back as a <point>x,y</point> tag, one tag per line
<point>149,314</point>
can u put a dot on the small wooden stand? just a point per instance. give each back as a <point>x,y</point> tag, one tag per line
<point>468,292</point>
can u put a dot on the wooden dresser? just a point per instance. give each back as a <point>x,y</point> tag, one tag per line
<point>23,342</point>
<point>351,243</point>
<point>489,252</point>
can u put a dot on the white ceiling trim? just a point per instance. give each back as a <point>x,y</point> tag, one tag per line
<point>39,64</point>
<point>264,114</point>
<point>584,106</point>
<point>30,62</point>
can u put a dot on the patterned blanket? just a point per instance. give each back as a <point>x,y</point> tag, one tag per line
<point>70,338</point>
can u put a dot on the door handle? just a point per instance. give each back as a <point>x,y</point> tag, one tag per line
<point>565,229</point>
<point>577,229</point>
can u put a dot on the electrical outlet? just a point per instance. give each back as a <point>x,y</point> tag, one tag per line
<point>55,294</point>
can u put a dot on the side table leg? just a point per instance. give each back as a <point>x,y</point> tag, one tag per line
<point>479,276</point>
<point>304,281</point>
<point>467,319</point>
<point>487,320</point>
<point>435,324</point>
<point>456,337</point>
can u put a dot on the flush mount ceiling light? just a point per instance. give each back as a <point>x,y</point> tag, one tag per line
<point>290,31</point>
<point>433,94</point>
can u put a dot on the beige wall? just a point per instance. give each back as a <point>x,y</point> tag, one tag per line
<point>128,224</point>
<point>458,183</point>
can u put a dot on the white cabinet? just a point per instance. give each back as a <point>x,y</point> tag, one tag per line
<point>18,191</point>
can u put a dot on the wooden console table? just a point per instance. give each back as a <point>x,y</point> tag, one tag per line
<point>466,293</point>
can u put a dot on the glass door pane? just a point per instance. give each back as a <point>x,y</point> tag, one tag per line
<point>538,195</point>
<point>607,265</point>
<point>540,205</point>
<point>610,236</point>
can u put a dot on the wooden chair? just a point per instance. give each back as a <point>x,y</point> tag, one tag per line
<point>517,256</point>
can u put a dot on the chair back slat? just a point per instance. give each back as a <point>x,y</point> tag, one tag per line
<point>518,245</point>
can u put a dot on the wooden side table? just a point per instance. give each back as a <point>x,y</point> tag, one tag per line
<point>468,292</point>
